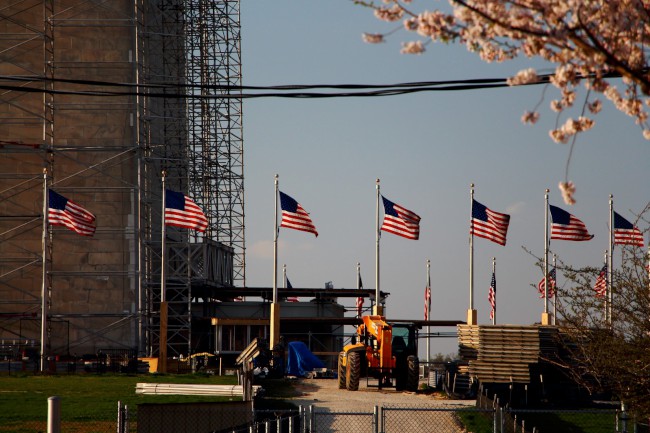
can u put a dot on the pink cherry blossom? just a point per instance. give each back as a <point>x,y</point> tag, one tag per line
<point>373,38</point>
<point>586,42</point>
<point>414,47</point>
<point>567,189</point>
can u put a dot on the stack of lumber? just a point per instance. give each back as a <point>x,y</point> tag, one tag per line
<point>503,353</point>
<point>191,389</point>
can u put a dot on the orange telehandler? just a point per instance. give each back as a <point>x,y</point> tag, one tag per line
<point>381,351</point>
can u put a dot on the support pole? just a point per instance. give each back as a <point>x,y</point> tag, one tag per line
<point>54,415</point>
<point>494,269</point>
<point>428,301</point>
<point>275,305</point>
<point>471,312</point>
<point>610,268</point>
<point>162,343</point>
<point>378,310</point>
<point>44,291</point>
<point>555,295</point>
<point>546,316</point>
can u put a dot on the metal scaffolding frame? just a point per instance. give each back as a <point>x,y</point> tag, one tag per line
<point>107,153</point>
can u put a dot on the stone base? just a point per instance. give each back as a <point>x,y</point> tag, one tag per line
<point>471,317</point>
<point>547,319</point>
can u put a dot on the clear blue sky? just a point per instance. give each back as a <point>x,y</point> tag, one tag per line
<point>426,148</point>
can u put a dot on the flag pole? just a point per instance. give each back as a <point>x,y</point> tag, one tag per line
<point>471,312</point>
<point>608,289</point>
<point>284,275</point>
<point>358,287</point>
<point>162,343</point>
<point>494,269</point>
<point>545,315</point>
<point>378,308</point>
<point>555,291</point>
<point>428,301</point>
<point>275,306</point>
<point>44,275</point>
<point>606,277</point>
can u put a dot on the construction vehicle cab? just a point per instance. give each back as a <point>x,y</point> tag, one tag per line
<point>386,352</point>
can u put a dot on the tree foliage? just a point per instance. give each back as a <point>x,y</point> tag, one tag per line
<point>608,355</point>
<point>587,41</point>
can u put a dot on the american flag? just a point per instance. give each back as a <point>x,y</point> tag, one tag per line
<point>489,224</point>
<point>427,301</point>
<point>287,284</point>
<point>400,221</point>
<point>492,295</point>
<point>181,211</point>
<point>625,233</point>
<point>294,216</point>
<point>64,212</point>
<point>359,298</point>
<point>601,282</point>
<point>567,227</point>
<point>551,281</point>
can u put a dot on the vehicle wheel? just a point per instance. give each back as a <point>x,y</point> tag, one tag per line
<point>341,371</point>
<point>413,377</point>
<point>353,371</point>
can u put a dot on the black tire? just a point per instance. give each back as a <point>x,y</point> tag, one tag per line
<point>341,371</point>
<point>413,373</point>
<point>353,371</point>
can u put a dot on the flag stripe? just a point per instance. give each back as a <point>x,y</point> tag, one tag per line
<point>427,302</point>
<point>541,284</point>
<point>489,224</point>
<point>625,233</point>
<point>359,298</point>
<point>492,295</point>
<point>400,221</point>
<point>567,227</point>
<point>181,211</point>
<point>64,212</point>
<point>294,216</point>
<point>601,283</point>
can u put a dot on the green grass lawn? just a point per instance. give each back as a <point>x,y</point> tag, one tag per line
<point>88,397</point>
<point>550,421</point>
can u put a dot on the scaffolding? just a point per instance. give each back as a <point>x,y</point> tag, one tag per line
<point>181,63</point>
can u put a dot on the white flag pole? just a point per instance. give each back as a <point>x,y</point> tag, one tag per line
<point>378,307</point>
<point>471,312</point>
<point>358,287</point>
<point>494,269</point>
<point>44,291</point>
<point>162,343</point>
<point>275,306</point>
<point>608,296</point>
<point>428,301</point>
<point>545,315</point>
<point>555,291</point>
<point>284,275</point>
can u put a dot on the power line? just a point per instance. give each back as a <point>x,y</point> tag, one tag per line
<point>295,91</point>
<point>175,91</point>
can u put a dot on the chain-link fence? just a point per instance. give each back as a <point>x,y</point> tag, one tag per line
<point>382,419</point>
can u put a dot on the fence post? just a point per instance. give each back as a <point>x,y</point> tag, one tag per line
<point>375,419</point>
<point>303,420</point>
<point>119,417</point>
<point>623,418</point>
<point>311,418</point>
<point>54,415</point>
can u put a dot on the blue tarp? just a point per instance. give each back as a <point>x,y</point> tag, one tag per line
<point>301,360</point>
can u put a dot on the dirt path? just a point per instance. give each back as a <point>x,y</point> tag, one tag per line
<point>324,393</point>
<point>342,411</point>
